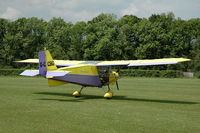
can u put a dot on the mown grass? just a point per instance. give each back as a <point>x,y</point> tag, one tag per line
<point>143,105</point>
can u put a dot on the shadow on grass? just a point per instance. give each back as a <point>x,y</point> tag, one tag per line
<point>87,97</point>
<point>61,100</point>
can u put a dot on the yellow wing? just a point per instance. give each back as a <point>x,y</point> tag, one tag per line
<point>146,62</point>
<point>57,62</point>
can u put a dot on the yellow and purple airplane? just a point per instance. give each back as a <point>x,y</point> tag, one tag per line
<point>86,73</point>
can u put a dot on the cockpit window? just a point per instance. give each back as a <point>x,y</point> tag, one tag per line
<point>104,72</point>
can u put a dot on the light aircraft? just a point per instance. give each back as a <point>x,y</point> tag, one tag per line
<point>86,73</point>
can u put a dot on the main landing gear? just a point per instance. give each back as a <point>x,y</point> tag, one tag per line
<point>109,93</point>
<point>78,93</point>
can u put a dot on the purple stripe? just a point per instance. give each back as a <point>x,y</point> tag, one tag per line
<point>85,80</point>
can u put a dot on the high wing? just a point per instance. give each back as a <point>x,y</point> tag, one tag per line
<point>57,62</point>
<point>146,62</point>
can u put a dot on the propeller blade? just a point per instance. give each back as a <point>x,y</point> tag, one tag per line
<point>117,85</point>
<point>118,69</point>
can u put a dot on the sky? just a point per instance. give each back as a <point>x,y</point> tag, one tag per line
<point>84,10</point>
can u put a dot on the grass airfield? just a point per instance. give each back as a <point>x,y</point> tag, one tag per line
<point>143,105</point>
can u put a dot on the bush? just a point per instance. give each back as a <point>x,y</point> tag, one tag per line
<point>10,72</point>
<point>125,72</point>
<point>151,73</point>
<point>197,74</point>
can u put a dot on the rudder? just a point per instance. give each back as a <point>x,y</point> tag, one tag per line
<point>46,62</point>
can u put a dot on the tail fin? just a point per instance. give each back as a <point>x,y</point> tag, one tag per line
<point>47,67</point>
<point>46,62</point>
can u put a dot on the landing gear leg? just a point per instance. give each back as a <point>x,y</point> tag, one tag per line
<point>109,93</point>
<point>78,93</point>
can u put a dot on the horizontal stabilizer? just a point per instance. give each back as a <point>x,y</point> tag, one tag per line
<point>30,73</point>
<point>51,74</point>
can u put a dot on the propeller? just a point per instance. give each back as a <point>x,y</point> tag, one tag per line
<point>117,85</point>
<point>118,69</point>
<point>116,78</point>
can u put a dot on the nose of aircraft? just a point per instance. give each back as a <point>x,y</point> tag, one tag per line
<point>113,77</point>
<point>116,75</point>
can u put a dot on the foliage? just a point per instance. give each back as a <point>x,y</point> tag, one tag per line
<point>151,73</point>
<point>10,72</point>
<point>122,73</point>
<point>103,38</point>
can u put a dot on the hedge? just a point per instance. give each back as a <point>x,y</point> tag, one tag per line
<point>197,74</point>
<point>122,73</point>
<point>151,73</point>
<point>10,72</point>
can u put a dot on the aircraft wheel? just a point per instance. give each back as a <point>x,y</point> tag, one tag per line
<point>76,94</point>
<point>108,95</point>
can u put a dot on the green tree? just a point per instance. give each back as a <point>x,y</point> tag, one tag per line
<point>58,38</point>
<point>97,29</point>
<point>78,37</point>
<point>3,30</point>
<point>103,38</point>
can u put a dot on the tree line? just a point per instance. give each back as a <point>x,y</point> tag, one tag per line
<point>105,37</point>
